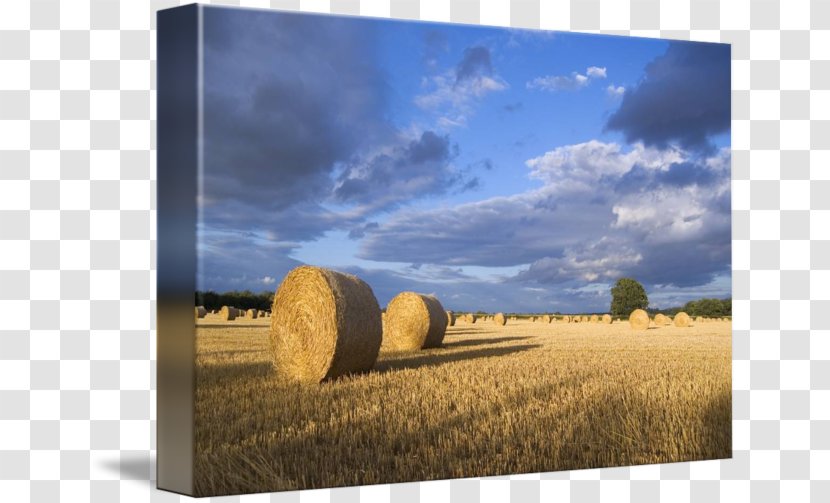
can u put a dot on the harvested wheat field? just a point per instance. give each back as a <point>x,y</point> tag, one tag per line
<point>524,397</point>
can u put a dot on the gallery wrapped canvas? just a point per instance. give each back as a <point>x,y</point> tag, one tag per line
<point>396,251</point>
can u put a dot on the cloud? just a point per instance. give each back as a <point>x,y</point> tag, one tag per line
<point>596,72</point>
<point>615,91</point>
<point>281,111</point>
<point>572,82</point>
<point>412,168</point>
<point>453,93</point>
<point>602,212</point>
<point>683,99</point>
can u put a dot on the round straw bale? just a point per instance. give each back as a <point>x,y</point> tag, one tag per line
<point>533,319</point>
<point>471,318</point>
<point>576,319</point>
<point>200,311</point>
<point>606,318</point>
<point>251,314</point>
<point>545,318</point>
<point>499,319</point>
<point>324,324</point>
<point>594,318</point>
<point>227,313</point>
<point>659,319</point>
<point>682,319</point>
<point>566,319</point>
<point>415,321</point>
<point>450,318</point>
<point>639,319</point>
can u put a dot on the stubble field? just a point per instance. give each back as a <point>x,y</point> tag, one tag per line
<point>525,397</point>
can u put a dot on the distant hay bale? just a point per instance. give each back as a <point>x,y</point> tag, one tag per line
<point>471,318</point>
<point>576,319</point>
<point>533,319</point>
<point>200,312</point>
<point>682,319</point>
<point>659,319</point>
<point>227,313</point>
<point>324,324</point>
<point>251,314</point>
<point>594,318</point>
<point>566,319</point>
<point>499,319</point>
<point>639,319</point>
<point>606,318</point>
<point>545,318</point>
<point>450,319</point>
<point>415,321</point>
<point>260,314</point>
<point>698,319</point>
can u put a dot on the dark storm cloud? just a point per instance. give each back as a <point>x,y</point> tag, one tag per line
<point>474,63</point>
<point>683,99</point>
<point>417,168</point>
<point>281,109</point>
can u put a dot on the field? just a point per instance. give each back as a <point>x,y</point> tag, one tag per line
<point>525,397</point>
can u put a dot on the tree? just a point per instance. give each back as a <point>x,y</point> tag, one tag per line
<point>627,295</point>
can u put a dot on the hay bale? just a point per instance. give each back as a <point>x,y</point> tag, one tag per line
<point>659,319</point>
<point>639,319</point>
<point>682,319</point>
<point>324,324</point>
<point>576,319</point>
<point>450,319</point>
<point>594,318</point>
<point>545,318</point>
<point>471,318</point>
<point>533,319</point>
<point>260,314</point>
<point>251,314</point>
<point>414,321</point>
<point>566,319</point>
<point>227,313</point>
<point>200,312</point>
<point>606,318</point>
<point>499,319</point>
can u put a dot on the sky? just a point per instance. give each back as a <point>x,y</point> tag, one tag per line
<point>498,169</point>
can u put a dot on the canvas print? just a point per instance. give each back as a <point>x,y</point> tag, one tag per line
<point>430,251</point>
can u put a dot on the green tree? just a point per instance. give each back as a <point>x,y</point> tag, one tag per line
<point>627,295</point>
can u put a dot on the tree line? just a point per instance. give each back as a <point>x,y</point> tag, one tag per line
<point>628,294</point>
<point>245,299</point>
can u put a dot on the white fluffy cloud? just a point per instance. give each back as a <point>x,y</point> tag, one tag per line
<point>602,212</point>
<point>572,82</point>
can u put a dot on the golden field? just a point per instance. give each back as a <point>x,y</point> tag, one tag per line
<point>525,397</point>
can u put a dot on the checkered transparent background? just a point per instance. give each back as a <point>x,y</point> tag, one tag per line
<point>77,237</point>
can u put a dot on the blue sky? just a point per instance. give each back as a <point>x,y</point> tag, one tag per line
<point>508,170</point>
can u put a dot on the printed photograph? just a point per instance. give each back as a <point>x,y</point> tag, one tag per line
<point>433,251</point>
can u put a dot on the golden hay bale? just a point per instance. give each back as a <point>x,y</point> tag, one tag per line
<point>499,319</point>
<point>533,319</point>
<point>260,314</point>
<point>227,313</point>
<point>414,321</point>
<point>594,318</point>
<point>324,324</point>
<point>576,319</point>
<point>251,314</point>
<point>566,319</point>
<point>639,319</point>
<point>200,311</point>
<point>471,318</point>
<point>450,318</point>
<point>682,319</point>
<point>545,318</point>
<point>606,318</point>
<point>659,319</point>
